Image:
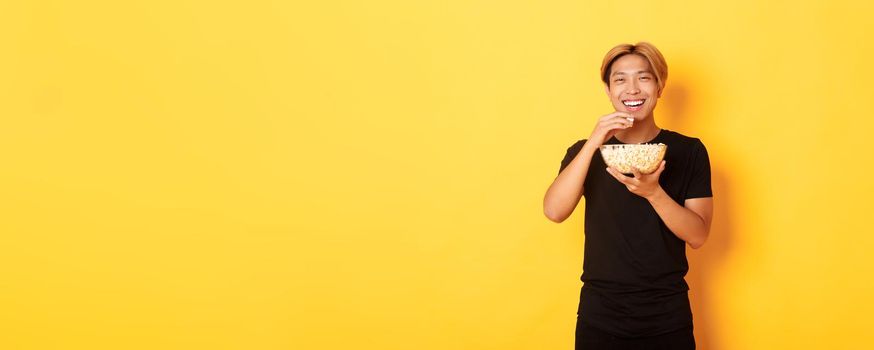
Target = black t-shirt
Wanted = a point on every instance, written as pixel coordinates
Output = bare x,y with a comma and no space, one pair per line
633,265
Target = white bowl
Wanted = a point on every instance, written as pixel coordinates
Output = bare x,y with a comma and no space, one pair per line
646,157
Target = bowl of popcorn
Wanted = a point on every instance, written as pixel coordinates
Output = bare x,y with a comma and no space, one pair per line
646,157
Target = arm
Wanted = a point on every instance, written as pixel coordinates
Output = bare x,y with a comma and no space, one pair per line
566,190
690,222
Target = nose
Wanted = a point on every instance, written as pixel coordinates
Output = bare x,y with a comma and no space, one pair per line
633,88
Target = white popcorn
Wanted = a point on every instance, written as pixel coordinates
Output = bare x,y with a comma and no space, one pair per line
645,157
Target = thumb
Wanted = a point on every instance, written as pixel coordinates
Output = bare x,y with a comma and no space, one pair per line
661,168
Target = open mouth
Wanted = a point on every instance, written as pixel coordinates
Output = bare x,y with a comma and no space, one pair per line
633,105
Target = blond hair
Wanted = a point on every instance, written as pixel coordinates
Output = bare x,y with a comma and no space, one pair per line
643,49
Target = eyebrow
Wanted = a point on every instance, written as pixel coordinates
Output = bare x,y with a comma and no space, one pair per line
638,72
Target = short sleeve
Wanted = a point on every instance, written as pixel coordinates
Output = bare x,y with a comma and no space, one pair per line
699,185
572,152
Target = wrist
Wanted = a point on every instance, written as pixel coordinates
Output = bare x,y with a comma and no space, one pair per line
589,148
657,195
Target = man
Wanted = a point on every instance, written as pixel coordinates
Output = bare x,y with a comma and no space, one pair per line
634,295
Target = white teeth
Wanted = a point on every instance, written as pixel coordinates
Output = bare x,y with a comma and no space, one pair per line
633,103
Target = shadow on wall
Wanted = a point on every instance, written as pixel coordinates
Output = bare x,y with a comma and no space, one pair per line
705,262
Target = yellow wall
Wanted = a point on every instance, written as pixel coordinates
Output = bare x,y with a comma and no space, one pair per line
369,174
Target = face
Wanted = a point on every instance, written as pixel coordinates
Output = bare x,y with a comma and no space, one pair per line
633,87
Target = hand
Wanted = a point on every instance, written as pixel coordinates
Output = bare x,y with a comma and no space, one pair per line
607,126
642,185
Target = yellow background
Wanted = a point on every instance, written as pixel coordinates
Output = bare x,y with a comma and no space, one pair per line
370,174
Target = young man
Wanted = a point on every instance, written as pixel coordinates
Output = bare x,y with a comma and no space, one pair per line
634,295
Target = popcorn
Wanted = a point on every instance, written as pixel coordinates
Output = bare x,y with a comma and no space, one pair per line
645,157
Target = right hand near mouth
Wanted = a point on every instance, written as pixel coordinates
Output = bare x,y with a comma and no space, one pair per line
567,189
607,126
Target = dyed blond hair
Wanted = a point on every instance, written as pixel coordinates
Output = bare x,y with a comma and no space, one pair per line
643,49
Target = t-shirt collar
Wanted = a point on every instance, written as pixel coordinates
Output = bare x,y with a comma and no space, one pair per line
656,139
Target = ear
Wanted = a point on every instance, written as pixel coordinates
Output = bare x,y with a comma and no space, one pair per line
607,89
659,94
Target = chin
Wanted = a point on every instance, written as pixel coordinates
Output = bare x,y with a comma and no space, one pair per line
638,115
641,114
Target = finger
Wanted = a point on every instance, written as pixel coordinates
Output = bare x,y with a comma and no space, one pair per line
661,168
618,176
615,115
636,172
623,117
624,114
609,116
627,119
616,119
617,124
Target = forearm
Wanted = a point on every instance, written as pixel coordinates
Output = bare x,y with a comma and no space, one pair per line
683,222
566,190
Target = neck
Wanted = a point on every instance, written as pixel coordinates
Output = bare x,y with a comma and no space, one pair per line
642,131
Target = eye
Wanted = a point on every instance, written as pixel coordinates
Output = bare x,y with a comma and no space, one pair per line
644,78
618,80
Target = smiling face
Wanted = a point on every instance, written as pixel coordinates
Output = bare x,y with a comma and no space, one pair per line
633,87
